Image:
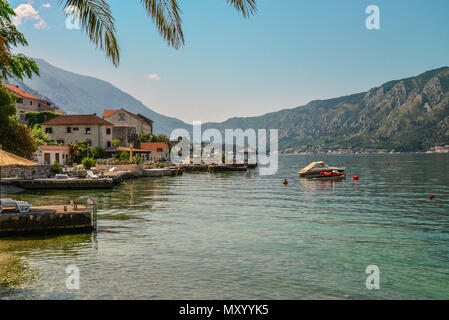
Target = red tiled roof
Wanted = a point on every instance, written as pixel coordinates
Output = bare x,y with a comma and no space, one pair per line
108,113
77,119
153,146
20,92
54,148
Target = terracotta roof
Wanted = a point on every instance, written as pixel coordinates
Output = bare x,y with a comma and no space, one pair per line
153,146
77,119
54,148
20,92
108,113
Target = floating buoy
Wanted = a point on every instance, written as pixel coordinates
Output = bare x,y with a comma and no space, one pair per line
388,163
285,181
355,178
347,162
431,196
393,165
372,163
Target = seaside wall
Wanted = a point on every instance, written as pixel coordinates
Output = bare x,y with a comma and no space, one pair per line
121,167
26,172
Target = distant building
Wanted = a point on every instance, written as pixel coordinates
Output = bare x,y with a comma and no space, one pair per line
48,154
29,103
123,118
158,150
148,151
78,128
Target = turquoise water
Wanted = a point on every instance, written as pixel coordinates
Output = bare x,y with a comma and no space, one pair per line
245,236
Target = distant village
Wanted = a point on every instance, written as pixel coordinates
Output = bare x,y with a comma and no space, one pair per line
116,130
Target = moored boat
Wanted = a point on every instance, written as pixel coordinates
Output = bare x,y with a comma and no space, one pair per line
320,170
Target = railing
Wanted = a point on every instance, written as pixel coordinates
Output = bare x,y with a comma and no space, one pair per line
90,201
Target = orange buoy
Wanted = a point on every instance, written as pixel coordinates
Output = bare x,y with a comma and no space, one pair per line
431,196
285,181
355,178
372,163
347,162
393,165
388,163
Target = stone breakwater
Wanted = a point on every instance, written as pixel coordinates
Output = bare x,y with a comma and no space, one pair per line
46,220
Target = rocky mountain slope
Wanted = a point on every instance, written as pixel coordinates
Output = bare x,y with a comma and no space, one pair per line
403,115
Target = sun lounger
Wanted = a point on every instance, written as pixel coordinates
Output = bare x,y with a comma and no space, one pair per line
90,174
21,206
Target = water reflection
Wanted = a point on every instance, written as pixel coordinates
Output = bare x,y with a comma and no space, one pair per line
16,272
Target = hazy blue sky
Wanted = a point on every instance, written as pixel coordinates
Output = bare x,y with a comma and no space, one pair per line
290,52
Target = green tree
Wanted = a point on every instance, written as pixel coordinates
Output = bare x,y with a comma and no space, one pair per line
14,136
98,24
13,65
78,151
40,137
116,142
99,153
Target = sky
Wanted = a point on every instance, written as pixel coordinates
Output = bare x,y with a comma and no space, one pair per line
289,53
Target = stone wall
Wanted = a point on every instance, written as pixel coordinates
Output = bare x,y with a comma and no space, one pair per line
122,167
26,172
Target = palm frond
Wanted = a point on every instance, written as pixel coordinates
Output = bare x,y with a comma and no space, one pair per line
246,7
166,14
98,23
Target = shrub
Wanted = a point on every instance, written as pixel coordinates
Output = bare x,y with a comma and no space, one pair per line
137,160
99,153
88,163
56,168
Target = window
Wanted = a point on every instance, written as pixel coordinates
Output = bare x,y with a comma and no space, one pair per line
108,131
88,131
75,129
31,103
48,130
69,130
20,100
89,142
60,142
108,144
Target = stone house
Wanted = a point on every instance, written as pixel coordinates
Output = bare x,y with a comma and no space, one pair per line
48,154
123,118
78,128
29,103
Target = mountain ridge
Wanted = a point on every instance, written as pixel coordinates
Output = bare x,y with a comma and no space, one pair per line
410,114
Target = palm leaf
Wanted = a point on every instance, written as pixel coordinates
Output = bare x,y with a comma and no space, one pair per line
246,7
97,22
166,14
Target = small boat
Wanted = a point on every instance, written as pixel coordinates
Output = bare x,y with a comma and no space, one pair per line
320,170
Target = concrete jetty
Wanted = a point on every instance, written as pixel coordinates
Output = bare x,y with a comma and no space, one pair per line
47,219
103,183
